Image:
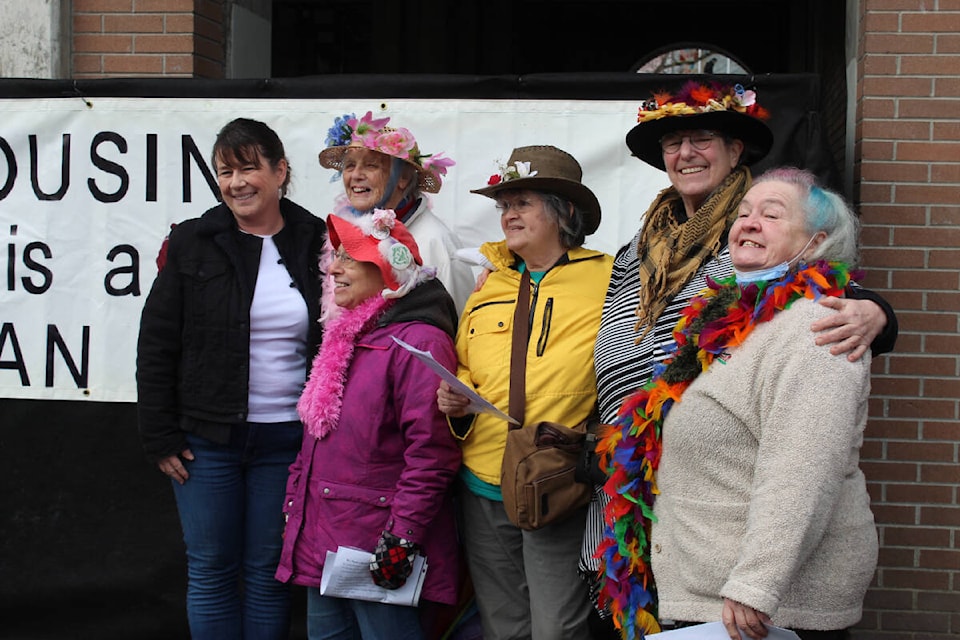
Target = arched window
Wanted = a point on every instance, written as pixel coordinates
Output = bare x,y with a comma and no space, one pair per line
690,57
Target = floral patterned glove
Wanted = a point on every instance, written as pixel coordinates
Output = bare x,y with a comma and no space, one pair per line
392,562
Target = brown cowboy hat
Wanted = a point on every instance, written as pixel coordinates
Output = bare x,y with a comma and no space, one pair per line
546,168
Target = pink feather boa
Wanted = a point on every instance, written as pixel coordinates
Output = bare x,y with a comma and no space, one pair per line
319,405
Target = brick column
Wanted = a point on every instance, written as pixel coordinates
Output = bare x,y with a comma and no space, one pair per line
144,38
907,166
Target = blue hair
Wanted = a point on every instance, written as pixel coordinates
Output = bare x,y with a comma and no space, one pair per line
821,210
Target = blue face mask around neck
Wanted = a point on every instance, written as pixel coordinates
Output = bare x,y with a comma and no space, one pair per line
775,272
770,273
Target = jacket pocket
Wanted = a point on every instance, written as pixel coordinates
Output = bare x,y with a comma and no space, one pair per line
329,490
357,513
214,339
205,285
489,331
203,270
696,543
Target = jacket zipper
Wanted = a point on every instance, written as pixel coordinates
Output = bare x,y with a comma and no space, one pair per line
545,327
545,322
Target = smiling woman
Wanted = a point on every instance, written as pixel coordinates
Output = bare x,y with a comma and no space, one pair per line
383,167
366,175
355,281
249,185
785,218
225,337
771,530
526,581
530,228
770,231
705,135
369,405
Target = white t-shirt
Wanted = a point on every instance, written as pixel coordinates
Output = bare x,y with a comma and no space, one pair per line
278,341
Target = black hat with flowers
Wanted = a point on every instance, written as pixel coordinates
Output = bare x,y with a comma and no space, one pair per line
728,109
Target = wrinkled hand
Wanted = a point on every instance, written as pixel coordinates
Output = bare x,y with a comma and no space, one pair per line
392,562
173,466
481,279
852,328
738,617
450,402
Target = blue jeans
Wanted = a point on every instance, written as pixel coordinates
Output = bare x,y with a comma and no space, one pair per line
346,619
231,511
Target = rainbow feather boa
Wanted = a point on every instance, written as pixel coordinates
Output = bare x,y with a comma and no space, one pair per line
718,319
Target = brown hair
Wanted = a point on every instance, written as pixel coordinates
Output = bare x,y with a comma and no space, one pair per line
244,139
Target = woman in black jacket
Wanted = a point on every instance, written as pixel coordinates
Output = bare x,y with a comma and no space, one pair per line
226,337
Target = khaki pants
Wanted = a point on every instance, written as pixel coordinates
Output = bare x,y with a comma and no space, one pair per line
526,582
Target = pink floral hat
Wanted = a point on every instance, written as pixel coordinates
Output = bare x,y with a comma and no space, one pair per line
369,133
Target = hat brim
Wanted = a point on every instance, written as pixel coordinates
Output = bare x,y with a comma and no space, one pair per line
332,158
358,246
644,139
576,192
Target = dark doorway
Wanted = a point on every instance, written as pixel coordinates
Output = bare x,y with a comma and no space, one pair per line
519,37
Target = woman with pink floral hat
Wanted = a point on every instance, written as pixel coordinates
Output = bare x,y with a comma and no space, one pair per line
382,167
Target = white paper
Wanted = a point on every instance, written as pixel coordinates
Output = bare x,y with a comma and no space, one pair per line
478,404
716,631
346,574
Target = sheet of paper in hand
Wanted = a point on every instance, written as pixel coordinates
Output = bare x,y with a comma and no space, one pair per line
346,574
478,404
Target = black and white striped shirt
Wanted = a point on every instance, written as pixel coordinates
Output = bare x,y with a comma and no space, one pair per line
622,365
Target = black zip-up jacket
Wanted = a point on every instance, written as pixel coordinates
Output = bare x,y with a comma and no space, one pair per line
193,353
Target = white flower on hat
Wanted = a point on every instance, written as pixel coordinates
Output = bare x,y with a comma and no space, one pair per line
523,170
506,173
519,170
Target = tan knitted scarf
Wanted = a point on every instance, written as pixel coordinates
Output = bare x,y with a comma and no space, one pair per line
671,251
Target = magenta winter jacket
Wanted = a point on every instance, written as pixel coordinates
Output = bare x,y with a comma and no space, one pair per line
388,465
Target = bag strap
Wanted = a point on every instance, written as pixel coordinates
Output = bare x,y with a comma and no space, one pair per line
518,352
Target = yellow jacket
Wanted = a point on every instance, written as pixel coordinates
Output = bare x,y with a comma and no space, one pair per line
560,381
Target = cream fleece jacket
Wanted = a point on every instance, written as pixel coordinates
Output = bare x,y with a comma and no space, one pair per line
762,499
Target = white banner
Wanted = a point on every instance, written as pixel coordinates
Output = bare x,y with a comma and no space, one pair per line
89,188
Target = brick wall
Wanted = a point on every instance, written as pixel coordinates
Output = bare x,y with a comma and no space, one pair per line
907,171
143,38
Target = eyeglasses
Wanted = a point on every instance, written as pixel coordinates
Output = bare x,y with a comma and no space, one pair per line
699,140
343,257
520,204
